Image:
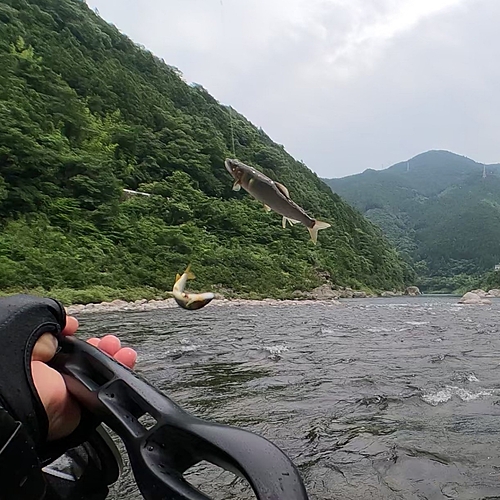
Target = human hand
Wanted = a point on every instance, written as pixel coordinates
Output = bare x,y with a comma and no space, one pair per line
62,410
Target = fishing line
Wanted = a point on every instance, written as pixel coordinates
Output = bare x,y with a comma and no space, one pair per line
230,109
232,129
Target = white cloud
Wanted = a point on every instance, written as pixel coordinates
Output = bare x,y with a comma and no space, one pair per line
369,34
343,84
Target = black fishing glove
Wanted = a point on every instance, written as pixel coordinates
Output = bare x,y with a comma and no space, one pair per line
24,449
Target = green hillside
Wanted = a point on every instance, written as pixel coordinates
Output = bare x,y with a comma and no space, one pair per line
437,209
84,113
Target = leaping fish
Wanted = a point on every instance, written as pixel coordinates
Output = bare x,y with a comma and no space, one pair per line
189,301
274,195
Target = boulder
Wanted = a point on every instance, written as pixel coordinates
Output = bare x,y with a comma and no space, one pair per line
324,292
473,298
388,294
118,303
358,294
479,292
346,293
494,292
412,290
75,309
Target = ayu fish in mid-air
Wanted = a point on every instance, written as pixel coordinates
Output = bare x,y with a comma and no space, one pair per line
274,195
189,301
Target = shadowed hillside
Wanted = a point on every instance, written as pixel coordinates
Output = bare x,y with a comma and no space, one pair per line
439,209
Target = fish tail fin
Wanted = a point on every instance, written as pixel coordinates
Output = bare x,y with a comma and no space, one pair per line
313,231
190,274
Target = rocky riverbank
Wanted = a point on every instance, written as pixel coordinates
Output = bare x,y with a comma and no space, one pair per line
324,293
152,305
329,292
480,296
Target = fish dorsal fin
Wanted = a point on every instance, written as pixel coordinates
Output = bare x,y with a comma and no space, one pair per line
283,189
267,208
177,277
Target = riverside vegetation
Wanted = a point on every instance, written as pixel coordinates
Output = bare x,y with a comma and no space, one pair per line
84,113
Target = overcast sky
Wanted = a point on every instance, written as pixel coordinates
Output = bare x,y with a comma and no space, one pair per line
344,85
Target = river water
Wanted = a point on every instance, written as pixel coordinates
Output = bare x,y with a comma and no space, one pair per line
372,399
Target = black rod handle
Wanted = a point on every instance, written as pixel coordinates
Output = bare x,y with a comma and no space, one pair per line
173,441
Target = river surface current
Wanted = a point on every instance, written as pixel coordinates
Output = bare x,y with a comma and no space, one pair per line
372,399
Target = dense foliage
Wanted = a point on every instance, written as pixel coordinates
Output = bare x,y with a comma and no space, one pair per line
438,210
490,280
84,113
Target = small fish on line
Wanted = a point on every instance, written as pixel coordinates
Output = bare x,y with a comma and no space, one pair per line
189,301
274,195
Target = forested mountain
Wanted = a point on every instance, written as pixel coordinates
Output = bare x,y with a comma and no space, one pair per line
439,209
84,113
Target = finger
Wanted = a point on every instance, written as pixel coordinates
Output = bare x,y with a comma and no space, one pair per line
126,356
94,341
71,325
45,348
110,344
62,411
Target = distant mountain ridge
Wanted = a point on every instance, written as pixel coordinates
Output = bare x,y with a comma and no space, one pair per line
441,210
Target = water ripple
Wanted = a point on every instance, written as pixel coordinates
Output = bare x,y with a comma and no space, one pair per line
379,399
